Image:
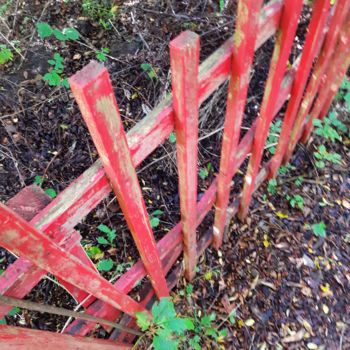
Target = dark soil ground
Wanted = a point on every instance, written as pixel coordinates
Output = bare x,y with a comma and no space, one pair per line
288,288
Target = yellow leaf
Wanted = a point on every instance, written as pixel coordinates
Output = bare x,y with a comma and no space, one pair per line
240,323
114,9
250,322
134,96
208,275
281,215
266,243
324,287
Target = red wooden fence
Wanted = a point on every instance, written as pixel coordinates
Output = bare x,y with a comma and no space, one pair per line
47,241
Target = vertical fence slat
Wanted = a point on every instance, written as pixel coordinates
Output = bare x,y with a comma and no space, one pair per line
312,43
243,52
184,58
94,93
288,25
336,71
17,338
20,237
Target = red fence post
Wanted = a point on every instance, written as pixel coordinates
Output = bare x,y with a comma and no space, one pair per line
184,58
20,237
336,71
311,46
94,94
288,26
243,53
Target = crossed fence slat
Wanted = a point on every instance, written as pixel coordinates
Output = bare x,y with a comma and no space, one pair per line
120,154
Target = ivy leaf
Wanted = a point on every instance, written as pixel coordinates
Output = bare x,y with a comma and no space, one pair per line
179,325
71,33
163,310
44,30
102,240
142,321
51,192
105,265
319,229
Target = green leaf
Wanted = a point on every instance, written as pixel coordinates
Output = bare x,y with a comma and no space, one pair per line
203,173
102,240
5,55
223,333
65,83
14,311
154,222
142,321
3,320
222,6
44,30
172,138
93,251
145,67
52,78
59,35
179,325
189,289
195,343
161,342
51,192
101,56
163,310
104,228
111,235
71,33
319,229
105,265
157,212
38,180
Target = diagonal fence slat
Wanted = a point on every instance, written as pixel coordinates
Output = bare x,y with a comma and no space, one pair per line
312,44
23,239
184,58
87,191
285,37
243,53
94,94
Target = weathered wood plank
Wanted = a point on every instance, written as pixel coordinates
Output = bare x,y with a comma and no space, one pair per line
243,52
23,239
16,338
94,94
312,44
285,37
184,58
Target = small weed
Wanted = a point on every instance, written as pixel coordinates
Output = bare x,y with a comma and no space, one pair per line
154,218
45,31
39,180
319,229
110,234
329,127
6,54
344,93
148,69
100,11
13,312
296,201
54,76
299,181
105,265
222,5
272,186
275,129
204,172
322,155
101,55
172,138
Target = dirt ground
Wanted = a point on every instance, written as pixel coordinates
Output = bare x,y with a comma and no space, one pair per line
287,287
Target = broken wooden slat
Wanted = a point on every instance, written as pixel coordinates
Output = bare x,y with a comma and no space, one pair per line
243,50
312,43
285,37
16,338
94,94
184,58
19,236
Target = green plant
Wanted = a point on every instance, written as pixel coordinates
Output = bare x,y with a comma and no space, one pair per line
100,11
222,5
154,218
172,138
5,7
110,234
322,155
6,54
319,229
296,201
105,265
101,55
13,312
166,328
275,129
54,76
46,31
272,186
204,172
147,68
329,127
344,93
298,181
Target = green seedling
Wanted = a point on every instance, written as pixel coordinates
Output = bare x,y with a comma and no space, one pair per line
323,156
